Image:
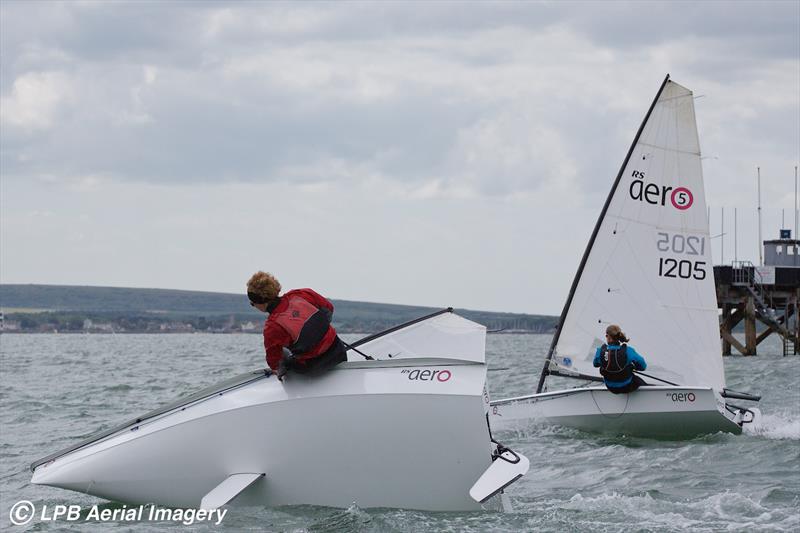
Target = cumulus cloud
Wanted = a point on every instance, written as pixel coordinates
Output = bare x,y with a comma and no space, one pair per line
507,153
34,101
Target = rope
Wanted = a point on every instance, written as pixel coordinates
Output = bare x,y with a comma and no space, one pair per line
657,379
627,399
350,347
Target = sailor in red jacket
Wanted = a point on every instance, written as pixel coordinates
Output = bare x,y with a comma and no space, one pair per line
298,335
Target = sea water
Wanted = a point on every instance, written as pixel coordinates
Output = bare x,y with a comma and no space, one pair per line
57,389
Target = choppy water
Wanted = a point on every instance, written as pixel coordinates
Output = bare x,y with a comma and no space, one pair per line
56,389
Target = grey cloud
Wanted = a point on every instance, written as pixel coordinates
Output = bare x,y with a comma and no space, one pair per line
145,31
198,122
212,132
120,31
762,28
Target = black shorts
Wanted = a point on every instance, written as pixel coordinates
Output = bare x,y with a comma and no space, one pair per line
635,383
325,361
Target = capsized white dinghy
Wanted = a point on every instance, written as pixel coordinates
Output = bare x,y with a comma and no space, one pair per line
647,267
408,429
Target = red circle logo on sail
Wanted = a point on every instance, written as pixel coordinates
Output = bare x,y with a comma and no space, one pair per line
444,375
682,198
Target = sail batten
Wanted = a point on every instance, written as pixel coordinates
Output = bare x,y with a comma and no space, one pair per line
672,149
648,264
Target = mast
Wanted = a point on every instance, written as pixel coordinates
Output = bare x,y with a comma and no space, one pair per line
573,288
760,243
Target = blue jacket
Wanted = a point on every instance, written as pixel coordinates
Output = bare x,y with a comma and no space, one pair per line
634,359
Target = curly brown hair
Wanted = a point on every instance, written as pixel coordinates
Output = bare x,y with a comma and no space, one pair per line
264,286
616,334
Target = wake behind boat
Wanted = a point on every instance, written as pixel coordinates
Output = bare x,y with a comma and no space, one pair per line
648,267
408,429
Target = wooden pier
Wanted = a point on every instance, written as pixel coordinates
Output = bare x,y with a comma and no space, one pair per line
767,295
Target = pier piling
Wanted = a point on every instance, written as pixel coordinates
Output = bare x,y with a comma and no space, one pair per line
765,296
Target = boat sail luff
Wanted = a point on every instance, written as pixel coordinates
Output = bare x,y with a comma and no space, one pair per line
590,244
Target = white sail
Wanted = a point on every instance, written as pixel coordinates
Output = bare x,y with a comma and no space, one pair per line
444,335
649,266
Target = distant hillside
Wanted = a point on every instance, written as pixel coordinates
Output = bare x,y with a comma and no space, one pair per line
67,307
117,299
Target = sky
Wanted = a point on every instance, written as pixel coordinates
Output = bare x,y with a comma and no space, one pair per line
440,154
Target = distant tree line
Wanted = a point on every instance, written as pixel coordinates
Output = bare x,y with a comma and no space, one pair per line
74,322
32,308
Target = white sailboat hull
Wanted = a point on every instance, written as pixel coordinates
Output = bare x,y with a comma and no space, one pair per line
374,433
656,411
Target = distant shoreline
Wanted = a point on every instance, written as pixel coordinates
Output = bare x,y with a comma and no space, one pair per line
86,309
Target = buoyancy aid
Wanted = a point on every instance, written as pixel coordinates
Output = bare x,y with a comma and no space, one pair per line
306,323
615,366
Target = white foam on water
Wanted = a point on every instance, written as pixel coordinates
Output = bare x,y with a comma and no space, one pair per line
774,427
644,510
726,506
719,511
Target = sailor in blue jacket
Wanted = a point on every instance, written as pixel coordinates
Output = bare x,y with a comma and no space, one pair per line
617,361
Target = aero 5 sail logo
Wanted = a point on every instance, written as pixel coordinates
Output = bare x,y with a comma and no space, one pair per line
681,198
427,375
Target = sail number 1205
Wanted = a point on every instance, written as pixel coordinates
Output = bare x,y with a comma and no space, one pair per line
672,268
681,244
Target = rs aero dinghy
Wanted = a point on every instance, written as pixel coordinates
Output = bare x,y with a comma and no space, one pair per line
647,267
407,429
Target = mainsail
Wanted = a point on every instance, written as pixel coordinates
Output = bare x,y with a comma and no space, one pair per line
648,265
443,334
